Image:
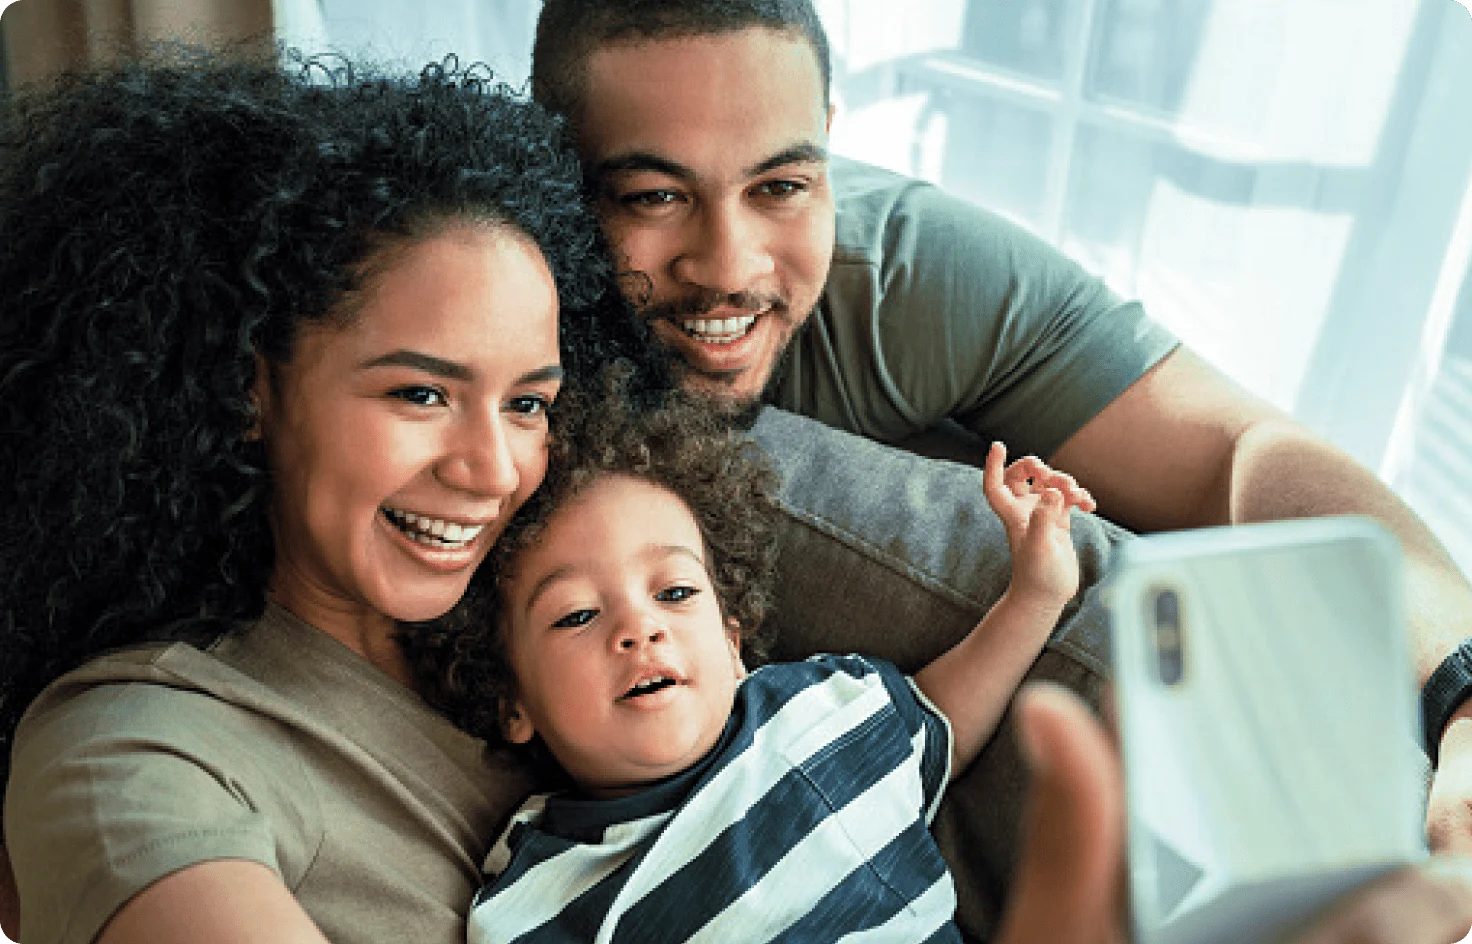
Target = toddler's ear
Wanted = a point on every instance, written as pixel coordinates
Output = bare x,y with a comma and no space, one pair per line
516,727
733,641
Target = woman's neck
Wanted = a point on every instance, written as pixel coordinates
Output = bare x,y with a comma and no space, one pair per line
363,630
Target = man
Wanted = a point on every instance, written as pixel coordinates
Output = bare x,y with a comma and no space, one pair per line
882,307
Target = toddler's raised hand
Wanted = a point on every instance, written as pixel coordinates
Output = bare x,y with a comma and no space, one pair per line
1033,501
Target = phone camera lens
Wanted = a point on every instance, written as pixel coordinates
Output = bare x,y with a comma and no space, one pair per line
1170,659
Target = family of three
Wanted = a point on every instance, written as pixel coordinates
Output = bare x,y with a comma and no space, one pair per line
287,352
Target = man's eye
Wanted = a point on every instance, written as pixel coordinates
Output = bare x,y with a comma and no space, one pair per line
531,405
643,199
575,619
780,188
676,594
419,395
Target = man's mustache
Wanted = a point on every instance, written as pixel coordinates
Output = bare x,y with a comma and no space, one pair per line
704,302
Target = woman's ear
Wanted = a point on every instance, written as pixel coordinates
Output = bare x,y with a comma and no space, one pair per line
733,641
260,398
516,727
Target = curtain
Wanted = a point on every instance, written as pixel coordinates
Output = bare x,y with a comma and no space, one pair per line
43,37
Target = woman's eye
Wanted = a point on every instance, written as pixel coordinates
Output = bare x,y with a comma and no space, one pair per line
676,594
575,619
529,405
419,395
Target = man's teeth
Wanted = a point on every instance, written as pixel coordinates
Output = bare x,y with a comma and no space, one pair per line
719,330
433,532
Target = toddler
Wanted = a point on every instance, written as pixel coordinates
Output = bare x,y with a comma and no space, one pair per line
706,802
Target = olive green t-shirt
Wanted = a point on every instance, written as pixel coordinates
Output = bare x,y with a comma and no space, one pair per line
936,309
275,744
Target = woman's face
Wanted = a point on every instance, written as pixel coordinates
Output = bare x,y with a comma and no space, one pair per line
402,441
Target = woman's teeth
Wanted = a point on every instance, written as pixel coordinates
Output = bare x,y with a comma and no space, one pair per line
719,330
433,532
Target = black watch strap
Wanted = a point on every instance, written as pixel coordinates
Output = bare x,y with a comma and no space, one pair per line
1447,688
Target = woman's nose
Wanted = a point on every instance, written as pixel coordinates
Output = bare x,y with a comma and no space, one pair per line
483,461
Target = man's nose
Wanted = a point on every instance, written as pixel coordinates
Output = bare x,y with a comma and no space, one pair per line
726,251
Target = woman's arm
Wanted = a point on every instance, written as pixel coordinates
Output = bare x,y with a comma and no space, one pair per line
227,901
9,898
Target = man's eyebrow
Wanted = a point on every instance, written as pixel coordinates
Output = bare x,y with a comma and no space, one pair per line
805,153
642,160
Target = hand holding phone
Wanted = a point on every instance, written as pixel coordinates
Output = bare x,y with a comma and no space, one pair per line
1267,710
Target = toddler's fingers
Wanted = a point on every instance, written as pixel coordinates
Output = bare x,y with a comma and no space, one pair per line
1050,512
993,484
1026,475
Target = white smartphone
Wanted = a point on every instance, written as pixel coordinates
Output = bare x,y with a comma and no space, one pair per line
1266,705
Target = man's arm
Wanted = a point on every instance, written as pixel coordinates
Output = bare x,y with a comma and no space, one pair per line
1185,447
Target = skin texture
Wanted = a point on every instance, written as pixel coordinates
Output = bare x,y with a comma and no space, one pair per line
1182,447
719,201
407,407
615,591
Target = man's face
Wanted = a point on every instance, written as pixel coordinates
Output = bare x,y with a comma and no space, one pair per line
709,155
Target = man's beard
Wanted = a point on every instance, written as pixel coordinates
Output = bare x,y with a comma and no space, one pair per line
741,410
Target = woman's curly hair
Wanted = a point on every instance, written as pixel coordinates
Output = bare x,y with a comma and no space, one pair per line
161,223
676,440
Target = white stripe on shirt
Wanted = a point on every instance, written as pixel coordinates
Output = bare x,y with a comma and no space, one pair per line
842,842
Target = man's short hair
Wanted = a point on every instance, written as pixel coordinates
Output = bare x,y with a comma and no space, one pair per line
570,31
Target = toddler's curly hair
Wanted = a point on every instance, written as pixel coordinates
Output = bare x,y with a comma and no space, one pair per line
676,440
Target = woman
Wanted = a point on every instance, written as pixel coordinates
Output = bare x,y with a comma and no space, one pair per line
276,354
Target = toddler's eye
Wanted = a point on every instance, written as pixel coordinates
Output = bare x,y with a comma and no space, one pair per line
575,619
676,594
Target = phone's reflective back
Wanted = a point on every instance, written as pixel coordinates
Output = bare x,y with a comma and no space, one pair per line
1266,704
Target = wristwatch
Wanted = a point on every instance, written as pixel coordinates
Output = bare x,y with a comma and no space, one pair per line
1447,688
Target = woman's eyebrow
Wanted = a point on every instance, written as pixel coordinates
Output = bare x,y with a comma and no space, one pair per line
418,361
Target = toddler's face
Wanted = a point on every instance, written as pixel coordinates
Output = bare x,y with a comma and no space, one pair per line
623,663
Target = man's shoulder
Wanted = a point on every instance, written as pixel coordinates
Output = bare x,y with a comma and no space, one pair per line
882,214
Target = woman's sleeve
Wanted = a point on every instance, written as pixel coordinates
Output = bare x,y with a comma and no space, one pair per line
117,786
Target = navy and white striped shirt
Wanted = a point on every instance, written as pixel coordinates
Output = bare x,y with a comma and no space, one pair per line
807,822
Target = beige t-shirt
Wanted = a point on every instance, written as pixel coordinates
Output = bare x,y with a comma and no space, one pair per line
277,745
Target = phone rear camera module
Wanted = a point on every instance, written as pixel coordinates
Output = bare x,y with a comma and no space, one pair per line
1170,659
